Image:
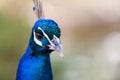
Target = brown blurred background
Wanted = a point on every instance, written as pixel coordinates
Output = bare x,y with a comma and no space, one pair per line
90,37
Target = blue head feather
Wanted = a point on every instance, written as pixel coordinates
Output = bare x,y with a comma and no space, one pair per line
35,63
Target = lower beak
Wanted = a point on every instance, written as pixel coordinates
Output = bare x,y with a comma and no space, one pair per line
57,48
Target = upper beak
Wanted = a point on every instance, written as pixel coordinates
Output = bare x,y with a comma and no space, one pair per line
56,45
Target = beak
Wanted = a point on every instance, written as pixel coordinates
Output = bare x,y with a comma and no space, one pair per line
55,45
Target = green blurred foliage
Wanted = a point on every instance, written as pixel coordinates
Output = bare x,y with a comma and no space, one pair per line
14,35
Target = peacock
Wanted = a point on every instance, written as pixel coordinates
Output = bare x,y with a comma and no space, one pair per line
35,64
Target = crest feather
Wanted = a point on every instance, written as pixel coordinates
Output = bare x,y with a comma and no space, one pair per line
38,8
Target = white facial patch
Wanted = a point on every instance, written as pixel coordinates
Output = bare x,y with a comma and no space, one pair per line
39,42
36,40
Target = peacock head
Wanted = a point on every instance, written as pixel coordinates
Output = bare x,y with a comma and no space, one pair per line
46,36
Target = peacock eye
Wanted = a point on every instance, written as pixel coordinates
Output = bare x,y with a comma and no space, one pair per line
38,36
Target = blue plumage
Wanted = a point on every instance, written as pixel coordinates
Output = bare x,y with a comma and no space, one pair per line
34,67
35,63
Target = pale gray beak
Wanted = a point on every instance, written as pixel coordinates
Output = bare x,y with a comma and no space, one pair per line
55,45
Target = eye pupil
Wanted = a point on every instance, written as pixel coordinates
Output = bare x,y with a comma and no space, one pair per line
39,36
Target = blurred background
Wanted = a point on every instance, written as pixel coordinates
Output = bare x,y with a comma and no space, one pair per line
90,37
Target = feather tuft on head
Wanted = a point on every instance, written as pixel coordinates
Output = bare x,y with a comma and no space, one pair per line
38,8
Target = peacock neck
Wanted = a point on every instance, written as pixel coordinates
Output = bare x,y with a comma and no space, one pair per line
42,67
35,66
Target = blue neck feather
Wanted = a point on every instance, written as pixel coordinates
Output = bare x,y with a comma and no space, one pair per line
34,67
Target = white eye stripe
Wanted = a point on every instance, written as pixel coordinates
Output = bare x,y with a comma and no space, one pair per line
46,36
36,40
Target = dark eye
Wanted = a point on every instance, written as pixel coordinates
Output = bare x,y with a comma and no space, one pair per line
38,36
